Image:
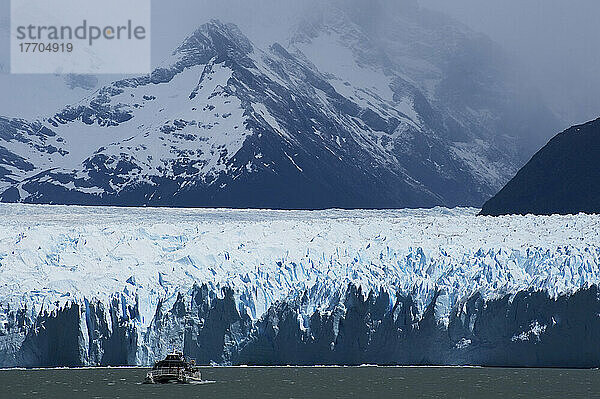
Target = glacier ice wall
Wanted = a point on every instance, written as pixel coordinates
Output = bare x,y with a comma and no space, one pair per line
119,286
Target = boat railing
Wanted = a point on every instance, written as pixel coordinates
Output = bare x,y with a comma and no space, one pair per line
166,371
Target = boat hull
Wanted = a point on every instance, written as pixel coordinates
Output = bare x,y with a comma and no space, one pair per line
172,378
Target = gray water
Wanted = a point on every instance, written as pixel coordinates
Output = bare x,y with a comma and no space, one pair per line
308,382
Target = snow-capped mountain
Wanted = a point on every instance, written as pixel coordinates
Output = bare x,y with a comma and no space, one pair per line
115,286
335,117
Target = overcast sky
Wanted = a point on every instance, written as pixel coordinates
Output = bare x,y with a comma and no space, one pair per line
557,42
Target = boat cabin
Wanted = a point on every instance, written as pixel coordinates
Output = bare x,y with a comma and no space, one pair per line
172,361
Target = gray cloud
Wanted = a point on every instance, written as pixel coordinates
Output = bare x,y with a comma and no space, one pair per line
555,41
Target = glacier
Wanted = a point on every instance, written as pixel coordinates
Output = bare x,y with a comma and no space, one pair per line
123,286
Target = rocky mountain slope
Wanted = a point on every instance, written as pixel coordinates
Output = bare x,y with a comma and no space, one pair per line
562,178
415,113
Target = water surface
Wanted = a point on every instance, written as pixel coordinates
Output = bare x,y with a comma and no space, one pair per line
308,382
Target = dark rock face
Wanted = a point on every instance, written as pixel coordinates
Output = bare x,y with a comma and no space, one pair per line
528,329
562,178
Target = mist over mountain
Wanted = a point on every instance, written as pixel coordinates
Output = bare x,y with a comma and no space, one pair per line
552,42
548,40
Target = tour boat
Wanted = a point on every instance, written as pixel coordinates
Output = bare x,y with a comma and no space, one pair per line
174,368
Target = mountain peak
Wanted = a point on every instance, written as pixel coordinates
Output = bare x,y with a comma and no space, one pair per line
218,36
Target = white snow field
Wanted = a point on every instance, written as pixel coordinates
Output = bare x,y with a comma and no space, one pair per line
51,255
